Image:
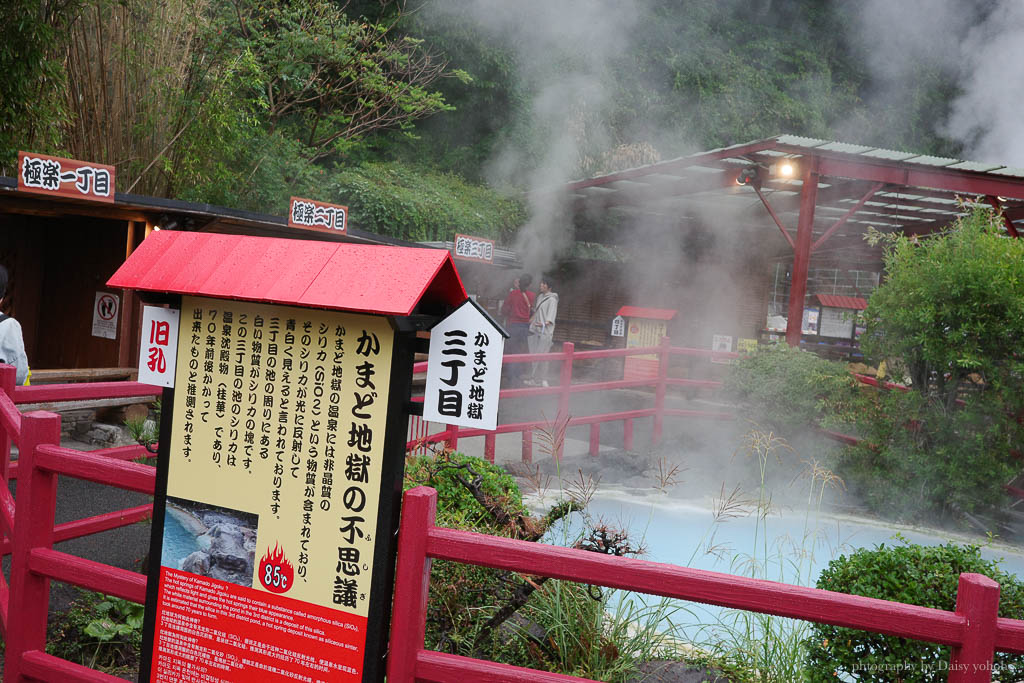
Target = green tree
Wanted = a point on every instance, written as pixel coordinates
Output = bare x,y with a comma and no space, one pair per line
951,309
32,106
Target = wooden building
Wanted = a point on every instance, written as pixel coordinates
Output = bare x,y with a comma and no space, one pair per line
60,252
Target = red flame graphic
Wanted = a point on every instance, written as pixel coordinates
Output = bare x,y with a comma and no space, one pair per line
276,572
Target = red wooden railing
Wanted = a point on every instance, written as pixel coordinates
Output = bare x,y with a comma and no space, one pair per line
418,434
974,630
27,521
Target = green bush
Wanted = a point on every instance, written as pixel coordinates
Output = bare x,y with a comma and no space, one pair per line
921,461
917,575
790,390
462,596
420,204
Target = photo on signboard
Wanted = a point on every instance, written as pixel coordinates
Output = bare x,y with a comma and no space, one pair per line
209,540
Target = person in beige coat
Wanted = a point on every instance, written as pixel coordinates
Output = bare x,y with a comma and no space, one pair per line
542,329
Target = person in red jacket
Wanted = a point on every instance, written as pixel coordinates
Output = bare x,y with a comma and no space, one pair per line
516,310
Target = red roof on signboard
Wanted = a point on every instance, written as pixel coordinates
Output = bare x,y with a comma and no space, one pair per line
650,313
836,301
351,277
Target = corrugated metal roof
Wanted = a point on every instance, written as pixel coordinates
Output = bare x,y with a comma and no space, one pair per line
836,301
352,277
649,313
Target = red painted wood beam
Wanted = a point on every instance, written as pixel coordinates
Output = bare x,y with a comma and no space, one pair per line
854,209
802,252
898,173
668,167
78,571
775,217
38,665
1010,228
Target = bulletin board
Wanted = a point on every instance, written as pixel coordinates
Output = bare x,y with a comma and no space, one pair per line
274,497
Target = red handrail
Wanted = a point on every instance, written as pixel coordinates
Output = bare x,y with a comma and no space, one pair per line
974,631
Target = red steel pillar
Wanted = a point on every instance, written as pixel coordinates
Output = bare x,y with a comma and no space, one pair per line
802,252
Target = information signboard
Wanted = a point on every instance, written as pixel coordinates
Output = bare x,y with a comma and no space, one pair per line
274,519
464,369
56,176
104,315
314,215
470,248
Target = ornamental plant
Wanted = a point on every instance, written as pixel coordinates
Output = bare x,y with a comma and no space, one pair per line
917,575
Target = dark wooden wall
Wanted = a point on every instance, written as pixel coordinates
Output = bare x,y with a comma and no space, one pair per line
57,265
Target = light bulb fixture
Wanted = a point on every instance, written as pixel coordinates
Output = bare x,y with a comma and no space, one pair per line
747,176
784,169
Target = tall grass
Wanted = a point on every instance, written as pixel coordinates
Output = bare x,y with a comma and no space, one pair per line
766,647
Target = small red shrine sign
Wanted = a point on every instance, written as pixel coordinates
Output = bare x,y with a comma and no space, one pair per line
311,214
49,175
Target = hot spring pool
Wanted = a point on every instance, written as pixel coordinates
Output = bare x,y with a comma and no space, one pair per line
790,547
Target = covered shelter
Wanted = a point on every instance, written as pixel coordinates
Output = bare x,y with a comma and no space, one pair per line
797,198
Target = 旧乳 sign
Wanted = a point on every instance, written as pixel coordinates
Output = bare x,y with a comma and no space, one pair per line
309,213
55,176
471,248
274,481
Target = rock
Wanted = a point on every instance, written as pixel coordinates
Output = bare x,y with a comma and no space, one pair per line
197,563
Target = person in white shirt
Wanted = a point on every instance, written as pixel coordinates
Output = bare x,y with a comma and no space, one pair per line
12,344
542,328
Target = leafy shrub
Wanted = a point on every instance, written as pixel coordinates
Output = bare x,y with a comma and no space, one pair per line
917,575
919,460
463,597
420,204
99,632
791,390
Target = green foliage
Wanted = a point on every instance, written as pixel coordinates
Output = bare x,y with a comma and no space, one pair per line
99,632
462,597
952,305
419,204
791,390
912,574
32,106
920,461
594,633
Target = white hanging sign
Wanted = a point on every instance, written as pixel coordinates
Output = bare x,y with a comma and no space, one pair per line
104,315
159,351
618,326
464,369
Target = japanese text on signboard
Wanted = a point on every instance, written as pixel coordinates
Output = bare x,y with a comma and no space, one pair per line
283,414
464,370
306,213
474,248
66,177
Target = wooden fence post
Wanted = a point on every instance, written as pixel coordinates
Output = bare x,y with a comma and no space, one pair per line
412,584
627,434
564,383
489,443
595,438
528,445
453,437
659,392
33,527
977,599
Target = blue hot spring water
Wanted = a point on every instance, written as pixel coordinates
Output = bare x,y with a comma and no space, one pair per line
178,544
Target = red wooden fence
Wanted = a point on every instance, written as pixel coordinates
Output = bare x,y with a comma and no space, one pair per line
974,631
565,388
27,521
